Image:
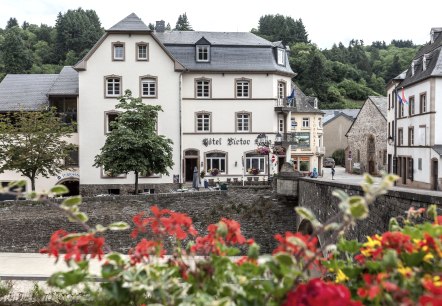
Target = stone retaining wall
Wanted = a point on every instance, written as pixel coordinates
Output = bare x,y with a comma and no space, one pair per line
26,226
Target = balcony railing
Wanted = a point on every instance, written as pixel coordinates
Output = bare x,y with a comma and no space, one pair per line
285,103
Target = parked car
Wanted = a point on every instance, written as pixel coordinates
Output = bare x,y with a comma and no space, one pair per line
328,162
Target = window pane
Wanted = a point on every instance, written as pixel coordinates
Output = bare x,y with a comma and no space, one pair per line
118,51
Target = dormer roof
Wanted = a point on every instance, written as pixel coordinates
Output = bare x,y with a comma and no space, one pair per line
203,41
131,23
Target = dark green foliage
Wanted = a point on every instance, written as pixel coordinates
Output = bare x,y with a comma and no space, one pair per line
183,24
12,22
285,28
14,54
77,30
134,145
403,43
339,157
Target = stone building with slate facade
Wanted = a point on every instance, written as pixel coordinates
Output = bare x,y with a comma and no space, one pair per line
218,92
415,127
367,138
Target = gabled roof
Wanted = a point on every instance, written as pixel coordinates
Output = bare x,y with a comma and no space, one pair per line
332,118
131,23
203,41
330,114
381,104
438,149
26,92
433,62
66,83
304,104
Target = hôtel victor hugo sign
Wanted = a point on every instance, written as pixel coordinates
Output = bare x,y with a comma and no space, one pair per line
231,141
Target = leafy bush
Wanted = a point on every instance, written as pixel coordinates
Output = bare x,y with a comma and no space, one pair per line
339,157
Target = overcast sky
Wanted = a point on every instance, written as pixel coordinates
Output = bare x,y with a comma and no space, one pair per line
326,21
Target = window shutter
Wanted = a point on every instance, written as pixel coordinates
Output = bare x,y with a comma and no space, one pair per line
410,169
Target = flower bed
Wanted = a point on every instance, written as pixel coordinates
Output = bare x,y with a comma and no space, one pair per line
400,267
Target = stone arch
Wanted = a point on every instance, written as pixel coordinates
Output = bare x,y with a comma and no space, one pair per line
306,228
73,184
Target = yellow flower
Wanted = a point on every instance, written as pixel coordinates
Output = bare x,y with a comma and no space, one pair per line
428,257
437,281
405,271
373,243
340,276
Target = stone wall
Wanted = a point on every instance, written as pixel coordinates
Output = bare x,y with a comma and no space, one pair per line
317,195
26,226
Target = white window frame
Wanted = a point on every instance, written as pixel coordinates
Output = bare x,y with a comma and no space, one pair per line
320,122
282,91
243,122
140,54
305,122
203,88
212,161
256,162
151,84
118,51
115,84
202,53
280,57
242,89
107,122
203,122
423,103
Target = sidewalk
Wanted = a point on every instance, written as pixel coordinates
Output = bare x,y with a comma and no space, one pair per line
34,266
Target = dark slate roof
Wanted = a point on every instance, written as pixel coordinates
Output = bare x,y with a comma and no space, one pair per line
229,51
438,149
215,38
25,91
433,55
304,104
350,113
66,83
131,23
381,104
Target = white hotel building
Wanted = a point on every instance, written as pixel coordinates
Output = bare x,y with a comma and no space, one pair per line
218,92
415,128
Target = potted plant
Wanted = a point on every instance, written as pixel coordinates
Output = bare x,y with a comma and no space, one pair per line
214,171
263,150
202,174
253,171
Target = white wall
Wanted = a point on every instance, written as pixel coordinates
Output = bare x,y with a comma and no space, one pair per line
93,105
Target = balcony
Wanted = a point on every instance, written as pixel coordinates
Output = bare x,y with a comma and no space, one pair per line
285,105
320,151
298,139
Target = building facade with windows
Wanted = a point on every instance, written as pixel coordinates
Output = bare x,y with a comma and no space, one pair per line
35,92
415,119
218,92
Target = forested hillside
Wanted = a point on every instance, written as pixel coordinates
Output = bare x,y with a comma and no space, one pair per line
340,77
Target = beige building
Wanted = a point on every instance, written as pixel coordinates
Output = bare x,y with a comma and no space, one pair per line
336,124
367,138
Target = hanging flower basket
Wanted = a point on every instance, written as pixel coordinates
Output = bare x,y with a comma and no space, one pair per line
263,150
214,171
279,150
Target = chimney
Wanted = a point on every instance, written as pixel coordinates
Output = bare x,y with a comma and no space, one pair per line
160,26
434,34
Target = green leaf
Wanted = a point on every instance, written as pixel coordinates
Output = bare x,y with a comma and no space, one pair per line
100,228
66,279
72,201
82,216
284,259
118,226
340,194
349,246
72,236
116,257
368,179
21,183
432,212
390,259
59,189
306,213
413,259
358,207
393,225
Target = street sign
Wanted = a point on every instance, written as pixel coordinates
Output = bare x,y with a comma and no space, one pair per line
273,158
349,155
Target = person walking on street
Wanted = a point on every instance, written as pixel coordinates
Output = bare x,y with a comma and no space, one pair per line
333,172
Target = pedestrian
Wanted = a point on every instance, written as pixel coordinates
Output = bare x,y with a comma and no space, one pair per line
195,180
314,173
333,172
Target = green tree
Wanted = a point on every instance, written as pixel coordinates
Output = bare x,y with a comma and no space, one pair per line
77,30
12,22
133,144
284,28
16,57
34,143
183,24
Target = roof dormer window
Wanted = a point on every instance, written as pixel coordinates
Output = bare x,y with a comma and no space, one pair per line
203,53
424,63
281,57
412,68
